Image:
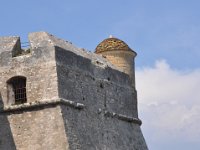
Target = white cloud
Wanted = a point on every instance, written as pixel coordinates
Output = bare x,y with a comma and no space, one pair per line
169,103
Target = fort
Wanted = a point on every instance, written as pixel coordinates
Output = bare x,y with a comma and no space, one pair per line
55,96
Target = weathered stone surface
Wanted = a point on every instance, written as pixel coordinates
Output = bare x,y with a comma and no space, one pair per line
6,136
9,43
75,99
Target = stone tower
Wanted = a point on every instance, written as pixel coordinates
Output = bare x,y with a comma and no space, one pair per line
56,96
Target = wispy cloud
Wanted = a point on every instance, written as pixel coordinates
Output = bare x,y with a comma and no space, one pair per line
169,103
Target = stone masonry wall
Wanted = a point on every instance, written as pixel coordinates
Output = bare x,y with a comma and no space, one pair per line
38,129
76,100
38,67
91,83
32,128
103,91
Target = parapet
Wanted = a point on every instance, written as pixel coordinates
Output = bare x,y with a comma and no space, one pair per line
44,39
11,47
10,44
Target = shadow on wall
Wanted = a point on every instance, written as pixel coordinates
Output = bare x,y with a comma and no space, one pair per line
6,138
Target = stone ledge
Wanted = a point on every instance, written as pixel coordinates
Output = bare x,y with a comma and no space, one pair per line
41,104
123,117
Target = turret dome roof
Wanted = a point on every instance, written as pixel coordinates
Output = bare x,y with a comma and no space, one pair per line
112,44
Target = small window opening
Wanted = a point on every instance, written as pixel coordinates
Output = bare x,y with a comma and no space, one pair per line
17,90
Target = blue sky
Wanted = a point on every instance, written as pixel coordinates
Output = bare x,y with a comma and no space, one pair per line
165,34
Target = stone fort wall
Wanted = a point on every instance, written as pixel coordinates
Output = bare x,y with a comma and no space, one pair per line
75,100
30,128
109,100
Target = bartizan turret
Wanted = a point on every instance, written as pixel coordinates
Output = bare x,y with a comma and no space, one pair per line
119,54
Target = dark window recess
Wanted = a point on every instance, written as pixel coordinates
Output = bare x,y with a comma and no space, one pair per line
19,89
